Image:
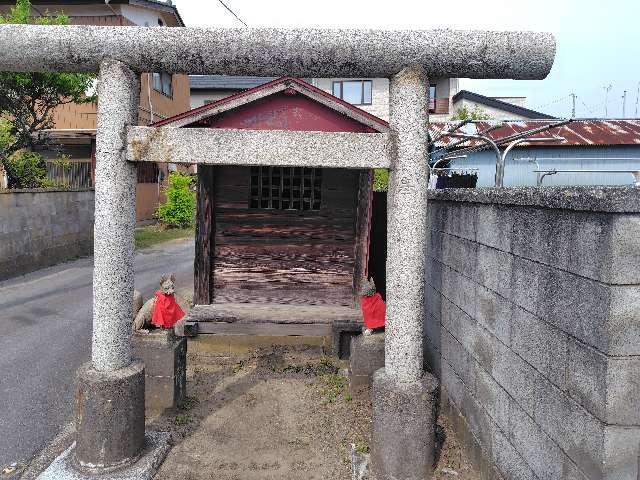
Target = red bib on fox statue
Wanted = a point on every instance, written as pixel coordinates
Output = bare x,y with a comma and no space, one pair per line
166,311
373,307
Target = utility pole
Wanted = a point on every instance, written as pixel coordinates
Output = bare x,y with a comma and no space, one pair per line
573,107
607,89
624,104
637,100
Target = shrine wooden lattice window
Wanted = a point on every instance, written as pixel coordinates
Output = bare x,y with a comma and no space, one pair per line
286,188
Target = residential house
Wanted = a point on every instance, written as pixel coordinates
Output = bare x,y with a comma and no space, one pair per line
498,108
372,95
161,95
585,152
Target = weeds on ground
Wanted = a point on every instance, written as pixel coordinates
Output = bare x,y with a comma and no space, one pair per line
238,367
362,446
333,386
182,419
189,403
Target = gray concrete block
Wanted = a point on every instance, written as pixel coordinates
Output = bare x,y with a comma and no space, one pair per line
460,220
460,254
433,273
543,346
451,381
570,471
587,377
479,422
494,227
460,290
433,302
622,321
493,398
624,249
507,459
367,356
515,375
576,431
459,359
494,268
623,391
621,450
540,452
165,359
494,313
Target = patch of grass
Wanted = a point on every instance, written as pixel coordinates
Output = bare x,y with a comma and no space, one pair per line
189,403
348,397
237,368
362,446
182,419
152,234
332,386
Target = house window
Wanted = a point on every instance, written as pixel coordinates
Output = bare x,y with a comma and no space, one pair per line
356,92
162,83
286,188
432,97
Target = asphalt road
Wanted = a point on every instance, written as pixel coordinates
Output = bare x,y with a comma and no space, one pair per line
45,322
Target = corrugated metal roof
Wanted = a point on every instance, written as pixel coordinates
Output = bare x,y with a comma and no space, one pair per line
226,82
585,132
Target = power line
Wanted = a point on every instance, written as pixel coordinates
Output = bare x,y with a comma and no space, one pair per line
232,13
537,107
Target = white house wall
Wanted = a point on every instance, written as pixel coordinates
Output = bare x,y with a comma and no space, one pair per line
146,17
200,97
520,173
496,114
445,87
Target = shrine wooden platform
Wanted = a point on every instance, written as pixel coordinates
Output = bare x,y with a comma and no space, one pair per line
277,320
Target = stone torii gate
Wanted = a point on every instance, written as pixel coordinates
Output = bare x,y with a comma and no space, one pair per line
110,397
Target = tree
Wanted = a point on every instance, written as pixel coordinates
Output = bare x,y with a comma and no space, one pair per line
28,100
180,208
466,113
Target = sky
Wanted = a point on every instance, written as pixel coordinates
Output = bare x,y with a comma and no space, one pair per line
598,42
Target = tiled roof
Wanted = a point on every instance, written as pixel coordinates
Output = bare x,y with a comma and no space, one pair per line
226,82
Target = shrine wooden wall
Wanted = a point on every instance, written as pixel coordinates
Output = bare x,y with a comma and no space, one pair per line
277,256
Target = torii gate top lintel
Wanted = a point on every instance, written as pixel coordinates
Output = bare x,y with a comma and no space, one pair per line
279,52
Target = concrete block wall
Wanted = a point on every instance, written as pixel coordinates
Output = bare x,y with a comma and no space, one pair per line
533,327
39,228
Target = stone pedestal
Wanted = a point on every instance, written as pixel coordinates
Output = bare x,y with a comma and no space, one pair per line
367,356
165,359
404,421
109,417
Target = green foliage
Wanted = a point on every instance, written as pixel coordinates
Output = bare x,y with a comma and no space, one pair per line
7,138
180,208
25,169
380,179
29,99
465,113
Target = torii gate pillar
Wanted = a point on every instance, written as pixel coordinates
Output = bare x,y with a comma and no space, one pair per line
403,394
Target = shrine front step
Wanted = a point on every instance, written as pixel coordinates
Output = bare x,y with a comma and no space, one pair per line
228,328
